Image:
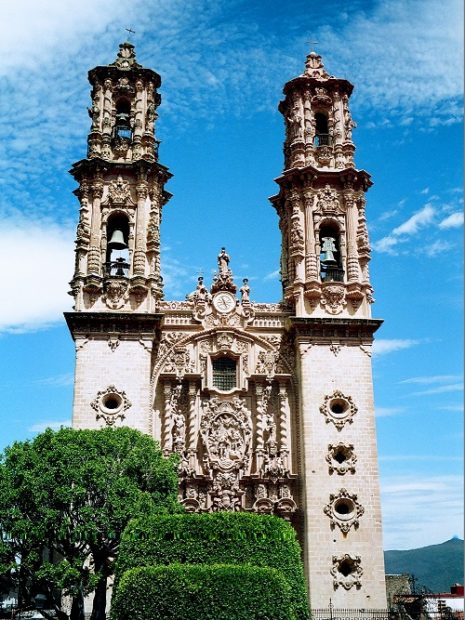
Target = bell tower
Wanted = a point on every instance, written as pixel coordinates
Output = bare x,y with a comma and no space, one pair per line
324,270
121,191
117,282
321,202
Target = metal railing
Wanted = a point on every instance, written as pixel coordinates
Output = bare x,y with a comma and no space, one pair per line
118,268
322,139
335,613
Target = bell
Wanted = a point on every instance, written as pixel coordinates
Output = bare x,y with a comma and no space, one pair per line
117,241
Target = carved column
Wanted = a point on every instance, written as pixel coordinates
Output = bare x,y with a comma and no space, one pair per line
192,438
94,257
139,249
284,425
107,109
311,263
352,251
138,112
261,421
167,439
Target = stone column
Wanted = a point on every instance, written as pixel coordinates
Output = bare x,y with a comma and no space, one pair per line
139,246
192,431
284,425
167,439
94,258
311,263
352,252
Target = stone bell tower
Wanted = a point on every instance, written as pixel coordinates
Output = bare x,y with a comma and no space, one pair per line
325,278
117,279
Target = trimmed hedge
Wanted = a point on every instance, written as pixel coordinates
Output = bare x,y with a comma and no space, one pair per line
218,538
221,592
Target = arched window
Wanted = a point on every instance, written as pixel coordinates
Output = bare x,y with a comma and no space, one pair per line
321,130
224,373
123,119
330,254
117,259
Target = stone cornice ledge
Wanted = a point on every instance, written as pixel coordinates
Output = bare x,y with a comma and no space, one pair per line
134,324
334,329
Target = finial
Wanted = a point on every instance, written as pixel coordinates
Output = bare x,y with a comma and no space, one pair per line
126,58
314,66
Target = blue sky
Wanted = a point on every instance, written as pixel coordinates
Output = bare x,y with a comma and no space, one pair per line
223,65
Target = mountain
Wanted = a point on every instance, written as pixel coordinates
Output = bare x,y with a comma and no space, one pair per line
436,567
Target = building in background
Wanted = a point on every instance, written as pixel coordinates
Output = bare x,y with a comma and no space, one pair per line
269,405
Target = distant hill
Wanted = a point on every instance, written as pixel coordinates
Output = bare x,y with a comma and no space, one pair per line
436,567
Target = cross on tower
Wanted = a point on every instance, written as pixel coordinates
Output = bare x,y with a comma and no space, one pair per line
130,31
312,43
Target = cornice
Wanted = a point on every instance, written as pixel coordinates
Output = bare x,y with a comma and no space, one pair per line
95,323
334,329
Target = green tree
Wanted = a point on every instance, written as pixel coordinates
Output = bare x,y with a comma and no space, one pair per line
65,499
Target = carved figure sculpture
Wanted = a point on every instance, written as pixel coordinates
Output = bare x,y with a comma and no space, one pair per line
223,262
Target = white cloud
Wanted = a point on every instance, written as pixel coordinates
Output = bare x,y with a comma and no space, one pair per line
64,380
441,389
41,264
437,247
383,347
397,53
385,412
40,427
418,220
432,379
454,220
439,501
273,275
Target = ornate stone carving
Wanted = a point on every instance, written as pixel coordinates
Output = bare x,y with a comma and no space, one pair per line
333,297
115,293
314,66
343,510
110,404
266,363
119,192
338,409
346,571
341,458
328,201
179,362
335,348
226,431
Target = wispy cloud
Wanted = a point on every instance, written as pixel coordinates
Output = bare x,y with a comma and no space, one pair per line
386,412
383,347
273,275
454,220
55,425
410,227
64,380
441,389
428,380
439,501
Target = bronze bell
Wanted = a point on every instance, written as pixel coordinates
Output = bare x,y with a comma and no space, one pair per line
117,241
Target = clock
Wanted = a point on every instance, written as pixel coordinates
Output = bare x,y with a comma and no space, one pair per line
224,302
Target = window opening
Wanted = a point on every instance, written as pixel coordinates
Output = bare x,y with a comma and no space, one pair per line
117,259
322,137
330,255
123,120
224,373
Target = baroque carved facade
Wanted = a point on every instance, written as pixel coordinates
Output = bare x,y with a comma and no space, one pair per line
269,406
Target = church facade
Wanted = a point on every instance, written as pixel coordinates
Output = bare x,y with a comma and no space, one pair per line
269,405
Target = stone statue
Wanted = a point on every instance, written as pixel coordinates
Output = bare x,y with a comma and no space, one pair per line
245,290
223,262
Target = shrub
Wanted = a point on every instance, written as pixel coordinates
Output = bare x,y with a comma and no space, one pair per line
186,592
219,538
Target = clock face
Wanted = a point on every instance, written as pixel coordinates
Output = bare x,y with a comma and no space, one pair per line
224,302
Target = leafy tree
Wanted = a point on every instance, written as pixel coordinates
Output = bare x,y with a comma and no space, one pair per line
65,499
